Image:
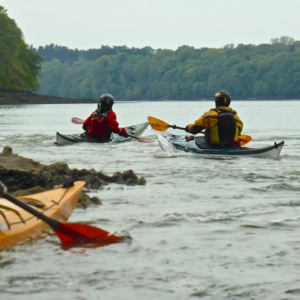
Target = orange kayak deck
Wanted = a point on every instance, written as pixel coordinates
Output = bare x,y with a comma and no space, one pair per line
17,225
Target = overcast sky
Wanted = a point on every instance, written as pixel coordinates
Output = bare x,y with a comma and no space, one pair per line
164,24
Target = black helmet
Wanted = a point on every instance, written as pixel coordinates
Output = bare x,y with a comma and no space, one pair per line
222,98
106,102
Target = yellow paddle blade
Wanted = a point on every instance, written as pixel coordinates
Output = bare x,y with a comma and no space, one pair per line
158,124
244,139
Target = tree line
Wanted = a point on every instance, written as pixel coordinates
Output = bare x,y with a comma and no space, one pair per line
265,71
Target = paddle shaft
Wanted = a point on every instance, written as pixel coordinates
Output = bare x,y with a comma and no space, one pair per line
176,127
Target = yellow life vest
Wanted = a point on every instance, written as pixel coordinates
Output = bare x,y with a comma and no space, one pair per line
225,130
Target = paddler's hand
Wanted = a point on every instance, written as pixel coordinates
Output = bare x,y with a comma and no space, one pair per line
187,128
127,132
85,127
189,138
130,131
123,133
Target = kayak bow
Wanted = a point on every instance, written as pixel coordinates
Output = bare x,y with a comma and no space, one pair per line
28,217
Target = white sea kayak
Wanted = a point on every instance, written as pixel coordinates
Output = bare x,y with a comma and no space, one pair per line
69,139
198,146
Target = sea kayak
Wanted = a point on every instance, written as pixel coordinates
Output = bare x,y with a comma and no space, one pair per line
17,225
69,139
197,145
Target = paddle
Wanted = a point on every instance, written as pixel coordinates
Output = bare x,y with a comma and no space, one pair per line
160,125
76,120
67,233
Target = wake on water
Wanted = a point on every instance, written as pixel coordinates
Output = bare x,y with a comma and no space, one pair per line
165,145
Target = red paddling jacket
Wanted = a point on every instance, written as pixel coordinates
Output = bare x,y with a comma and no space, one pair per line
101,126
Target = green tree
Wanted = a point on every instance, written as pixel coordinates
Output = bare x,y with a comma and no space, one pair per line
19,66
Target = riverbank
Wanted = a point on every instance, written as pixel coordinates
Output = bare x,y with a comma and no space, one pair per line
19,98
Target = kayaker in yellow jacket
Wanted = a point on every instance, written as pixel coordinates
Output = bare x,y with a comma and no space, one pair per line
221,124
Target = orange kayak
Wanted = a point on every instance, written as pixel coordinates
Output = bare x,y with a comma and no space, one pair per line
17,225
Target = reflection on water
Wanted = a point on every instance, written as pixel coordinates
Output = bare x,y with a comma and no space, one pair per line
210,228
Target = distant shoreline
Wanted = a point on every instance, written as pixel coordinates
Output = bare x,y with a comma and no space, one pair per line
19,98
13,98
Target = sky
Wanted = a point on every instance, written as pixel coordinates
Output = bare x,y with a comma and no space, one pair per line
159,24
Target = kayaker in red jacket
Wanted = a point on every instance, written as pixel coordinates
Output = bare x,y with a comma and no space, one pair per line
103,121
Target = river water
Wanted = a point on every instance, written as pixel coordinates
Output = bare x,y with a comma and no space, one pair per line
201,228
